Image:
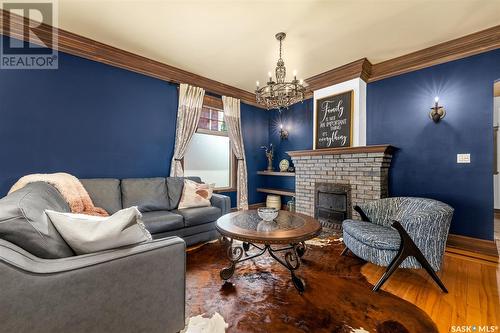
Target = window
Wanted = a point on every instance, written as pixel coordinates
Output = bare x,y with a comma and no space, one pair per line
209,154
212,120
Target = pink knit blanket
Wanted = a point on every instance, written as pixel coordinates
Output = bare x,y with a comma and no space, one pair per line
70,188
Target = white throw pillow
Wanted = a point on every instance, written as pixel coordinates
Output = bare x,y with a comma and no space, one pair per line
195,194
88,234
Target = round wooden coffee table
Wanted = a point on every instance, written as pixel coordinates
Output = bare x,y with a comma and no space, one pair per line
287,234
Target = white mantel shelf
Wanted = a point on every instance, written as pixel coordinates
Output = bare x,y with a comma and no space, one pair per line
386,149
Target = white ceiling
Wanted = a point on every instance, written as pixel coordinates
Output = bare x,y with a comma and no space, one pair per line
233,41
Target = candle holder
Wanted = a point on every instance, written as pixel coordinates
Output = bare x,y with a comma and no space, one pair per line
283,133
437,112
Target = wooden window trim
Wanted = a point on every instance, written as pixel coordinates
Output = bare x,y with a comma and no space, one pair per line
233,166
209,132
213,102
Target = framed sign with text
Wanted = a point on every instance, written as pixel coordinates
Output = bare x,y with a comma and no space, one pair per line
333,119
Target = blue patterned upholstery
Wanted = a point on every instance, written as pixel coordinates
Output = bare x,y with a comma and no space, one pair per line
372,234
427,222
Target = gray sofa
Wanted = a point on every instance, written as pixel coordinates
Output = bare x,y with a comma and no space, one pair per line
138,288
158,199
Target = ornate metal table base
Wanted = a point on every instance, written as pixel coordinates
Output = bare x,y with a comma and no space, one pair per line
291,260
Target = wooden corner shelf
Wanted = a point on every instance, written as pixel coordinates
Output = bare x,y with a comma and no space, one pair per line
277,191
276,173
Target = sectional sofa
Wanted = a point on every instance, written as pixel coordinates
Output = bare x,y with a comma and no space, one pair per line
137,288
158,199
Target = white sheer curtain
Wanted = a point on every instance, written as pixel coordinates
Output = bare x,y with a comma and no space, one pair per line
188,115
232,117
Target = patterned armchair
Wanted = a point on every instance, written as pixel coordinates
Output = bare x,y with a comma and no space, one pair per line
400,232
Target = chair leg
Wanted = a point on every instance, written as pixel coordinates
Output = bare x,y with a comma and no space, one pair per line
344,251
434,276
396,261
425,264
409,248
361,214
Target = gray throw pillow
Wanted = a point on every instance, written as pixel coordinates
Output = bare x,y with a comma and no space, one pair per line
23,221
148,194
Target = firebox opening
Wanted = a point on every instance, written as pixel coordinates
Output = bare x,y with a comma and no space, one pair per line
332,204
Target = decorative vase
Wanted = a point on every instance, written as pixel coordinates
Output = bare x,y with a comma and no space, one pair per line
273,201
270,163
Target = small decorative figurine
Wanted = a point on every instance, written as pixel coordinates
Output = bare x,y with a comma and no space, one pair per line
269,155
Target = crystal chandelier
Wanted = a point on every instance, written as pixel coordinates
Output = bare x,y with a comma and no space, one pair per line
280,94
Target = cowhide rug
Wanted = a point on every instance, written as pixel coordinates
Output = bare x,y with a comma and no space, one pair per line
260,296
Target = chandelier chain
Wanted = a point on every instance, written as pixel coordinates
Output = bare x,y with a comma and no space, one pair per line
280,47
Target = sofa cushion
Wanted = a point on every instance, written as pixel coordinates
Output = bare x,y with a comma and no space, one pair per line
148,194
199,215
187,231
105,193
373,235
161,221
23,221
175,185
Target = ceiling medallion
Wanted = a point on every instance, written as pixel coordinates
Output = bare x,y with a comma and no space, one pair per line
280,94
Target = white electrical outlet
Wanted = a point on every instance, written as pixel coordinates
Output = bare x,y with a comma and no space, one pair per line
463,158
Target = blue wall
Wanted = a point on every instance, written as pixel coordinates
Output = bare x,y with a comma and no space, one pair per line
255,134
298,120
425,165
95,120
86,118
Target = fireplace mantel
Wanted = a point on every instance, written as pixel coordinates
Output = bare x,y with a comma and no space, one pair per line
385,149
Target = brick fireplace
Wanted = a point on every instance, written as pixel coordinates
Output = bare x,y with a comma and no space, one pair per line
322,177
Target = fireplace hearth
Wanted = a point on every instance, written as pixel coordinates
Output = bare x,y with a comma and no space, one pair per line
332,204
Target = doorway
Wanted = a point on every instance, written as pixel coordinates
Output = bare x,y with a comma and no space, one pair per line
496,171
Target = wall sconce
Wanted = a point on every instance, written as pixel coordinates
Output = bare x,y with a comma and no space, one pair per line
283,133
438,112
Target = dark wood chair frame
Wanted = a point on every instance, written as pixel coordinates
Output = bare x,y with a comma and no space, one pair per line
407,248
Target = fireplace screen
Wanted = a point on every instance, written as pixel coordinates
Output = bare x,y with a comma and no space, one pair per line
332,204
